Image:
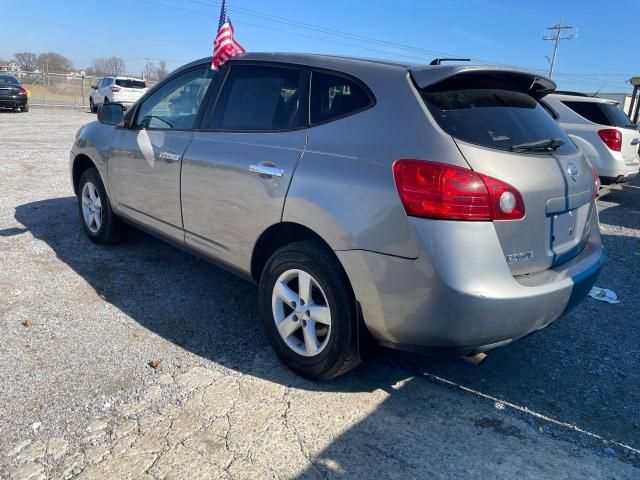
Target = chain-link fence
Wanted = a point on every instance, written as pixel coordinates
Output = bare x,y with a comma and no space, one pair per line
57,89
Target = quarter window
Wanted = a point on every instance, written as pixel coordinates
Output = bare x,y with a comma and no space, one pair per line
260,98
333,96
175,105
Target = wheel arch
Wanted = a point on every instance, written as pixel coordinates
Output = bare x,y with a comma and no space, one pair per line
81,164
277,236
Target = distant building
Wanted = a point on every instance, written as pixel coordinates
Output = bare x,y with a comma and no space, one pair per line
8,67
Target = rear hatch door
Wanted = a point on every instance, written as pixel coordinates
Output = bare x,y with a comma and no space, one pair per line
493,117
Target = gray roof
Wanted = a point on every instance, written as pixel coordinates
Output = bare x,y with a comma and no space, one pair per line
423,74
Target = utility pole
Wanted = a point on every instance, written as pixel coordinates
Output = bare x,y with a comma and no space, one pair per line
558,29
146,69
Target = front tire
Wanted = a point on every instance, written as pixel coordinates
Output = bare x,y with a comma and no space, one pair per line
308,311
25,109
100,224
92,106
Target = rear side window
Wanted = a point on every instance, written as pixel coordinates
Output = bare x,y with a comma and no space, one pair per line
260,98
127,83
333,97
492,114
601,113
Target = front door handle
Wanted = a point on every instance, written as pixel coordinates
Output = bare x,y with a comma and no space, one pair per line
170,156
266,170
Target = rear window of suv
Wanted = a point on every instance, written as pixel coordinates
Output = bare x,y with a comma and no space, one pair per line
601,113
127,83
491,113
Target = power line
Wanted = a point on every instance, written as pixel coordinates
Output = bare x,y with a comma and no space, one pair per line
353,36
558,28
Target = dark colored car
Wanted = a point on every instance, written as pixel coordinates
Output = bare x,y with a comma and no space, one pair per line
12,94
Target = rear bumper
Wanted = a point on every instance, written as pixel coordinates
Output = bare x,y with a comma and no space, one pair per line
459,297
13,102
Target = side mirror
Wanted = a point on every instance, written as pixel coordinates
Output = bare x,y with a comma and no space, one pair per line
111,113
93,87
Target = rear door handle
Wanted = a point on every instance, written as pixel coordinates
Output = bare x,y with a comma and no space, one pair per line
170,156
266,170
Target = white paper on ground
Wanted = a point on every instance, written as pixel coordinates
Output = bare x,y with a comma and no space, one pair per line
604,295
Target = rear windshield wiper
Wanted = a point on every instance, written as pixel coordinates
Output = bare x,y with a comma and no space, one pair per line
547,145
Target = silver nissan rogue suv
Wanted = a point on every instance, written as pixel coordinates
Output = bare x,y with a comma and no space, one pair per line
430,208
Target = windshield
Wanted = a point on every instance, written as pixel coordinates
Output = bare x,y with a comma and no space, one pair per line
128,83
8,80
493,116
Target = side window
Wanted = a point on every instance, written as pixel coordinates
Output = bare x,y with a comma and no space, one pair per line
260,98
333,96
589,110
100,83
177,102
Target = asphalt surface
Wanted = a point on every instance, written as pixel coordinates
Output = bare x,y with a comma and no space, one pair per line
79,325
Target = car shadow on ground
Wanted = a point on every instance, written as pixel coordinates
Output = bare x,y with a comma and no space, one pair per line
581,370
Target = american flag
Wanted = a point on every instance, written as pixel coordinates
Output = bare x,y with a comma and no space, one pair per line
224,45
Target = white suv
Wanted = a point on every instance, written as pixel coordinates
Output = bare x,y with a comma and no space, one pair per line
123,90
602,130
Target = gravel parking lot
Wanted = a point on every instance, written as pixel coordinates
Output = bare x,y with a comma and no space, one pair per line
141,361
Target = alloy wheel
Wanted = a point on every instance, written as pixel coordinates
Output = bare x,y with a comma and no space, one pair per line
91,207
301,312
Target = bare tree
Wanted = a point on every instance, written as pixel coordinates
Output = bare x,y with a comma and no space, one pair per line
106,66
55,62
98,67
26,61
161,71
149,71
115,65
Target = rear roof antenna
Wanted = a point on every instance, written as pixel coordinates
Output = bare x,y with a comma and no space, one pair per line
438,61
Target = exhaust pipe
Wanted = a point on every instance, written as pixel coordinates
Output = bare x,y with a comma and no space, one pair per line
476,360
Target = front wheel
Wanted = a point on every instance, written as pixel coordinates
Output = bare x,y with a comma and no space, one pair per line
25,109
100,224
92,106
308,311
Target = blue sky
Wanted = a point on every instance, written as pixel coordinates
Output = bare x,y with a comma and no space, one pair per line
604,54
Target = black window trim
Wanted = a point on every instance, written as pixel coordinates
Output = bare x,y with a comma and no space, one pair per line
304,67
215,88
365,88
304,84
549,110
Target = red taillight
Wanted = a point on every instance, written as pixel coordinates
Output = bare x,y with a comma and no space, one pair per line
115,89
612,138
596,181
22,91
437,190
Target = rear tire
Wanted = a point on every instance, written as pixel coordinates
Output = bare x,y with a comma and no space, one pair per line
100,224
106,100
315,337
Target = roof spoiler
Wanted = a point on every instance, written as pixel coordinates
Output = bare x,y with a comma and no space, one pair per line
427,76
